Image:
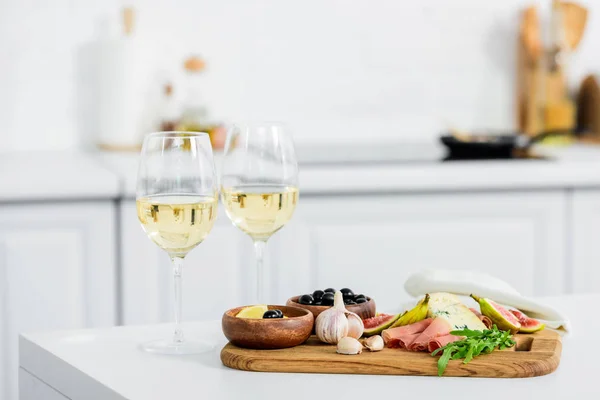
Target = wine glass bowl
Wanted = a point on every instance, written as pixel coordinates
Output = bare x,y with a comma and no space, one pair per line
163,219
177,204
260,210
259,183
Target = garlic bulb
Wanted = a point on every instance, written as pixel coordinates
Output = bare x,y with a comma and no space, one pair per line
337,322
374,343
349,345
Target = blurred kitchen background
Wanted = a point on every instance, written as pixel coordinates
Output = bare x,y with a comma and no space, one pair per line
368,89
334,70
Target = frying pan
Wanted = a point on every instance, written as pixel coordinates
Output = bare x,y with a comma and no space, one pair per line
493,146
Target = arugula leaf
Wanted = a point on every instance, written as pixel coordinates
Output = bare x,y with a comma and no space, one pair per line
436,351
474,344
443,361
469,355
466,332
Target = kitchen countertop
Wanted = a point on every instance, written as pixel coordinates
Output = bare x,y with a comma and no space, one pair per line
42,176
106,364
417,167
350,168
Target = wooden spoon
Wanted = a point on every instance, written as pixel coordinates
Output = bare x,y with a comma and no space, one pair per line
530,33
574,22
529,72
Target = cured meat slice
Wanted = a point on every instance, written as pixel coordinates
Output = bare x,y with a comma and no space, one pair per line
402,341
441,341
439,327
485,319
403,336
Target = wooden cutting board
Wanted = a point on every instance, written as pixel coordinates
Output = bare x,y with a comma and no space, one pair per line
534,355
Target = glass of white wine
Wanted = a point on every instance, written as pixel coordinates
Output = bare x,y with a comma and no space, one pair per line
177,206
259,184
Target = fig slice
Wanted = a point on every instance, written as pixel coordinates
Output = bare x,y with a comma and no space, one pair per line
378,323
499,315
528,325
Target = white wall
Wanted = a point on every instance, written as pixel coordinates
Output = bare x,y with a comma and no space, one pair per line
333,69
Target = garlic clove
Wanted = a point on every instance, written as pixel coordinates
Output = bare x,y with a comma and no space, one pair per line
349,345
374,343
356,327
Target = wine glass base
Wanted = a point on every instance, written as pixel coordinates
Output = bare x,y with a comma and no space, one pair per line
168,346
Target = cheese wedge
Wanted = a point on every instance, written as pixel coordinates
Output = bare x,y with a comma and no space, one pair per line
449,307
442,300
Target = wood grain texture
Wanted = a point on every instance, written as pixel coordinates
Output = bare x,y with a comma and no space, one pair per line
535,355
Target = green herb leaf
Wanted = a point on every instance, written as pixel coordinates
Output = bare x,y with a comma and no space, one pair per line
436,351
474,344
467,333
469,355
443,361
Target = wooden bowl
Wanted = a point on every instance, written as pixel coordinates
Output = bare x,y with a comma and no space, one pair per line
276,333
364,310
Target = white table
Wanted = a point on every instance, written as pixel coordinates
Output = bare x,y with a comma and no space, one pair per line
105,364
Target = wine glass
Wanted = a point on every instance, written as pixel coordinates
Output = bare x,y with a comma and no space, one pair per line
259,184
177,207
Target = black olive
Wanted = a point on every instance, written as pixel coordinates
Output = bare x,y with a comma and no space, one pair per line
327,299
306,299
329,290
347,292
359,296
350,302
347,300
317,303
272,314
328,296
317,294
360,300
279,312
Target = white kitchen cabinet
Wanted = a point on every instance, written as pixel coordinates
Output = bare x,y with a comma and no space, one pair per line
373,243
57,271
216,274
584,271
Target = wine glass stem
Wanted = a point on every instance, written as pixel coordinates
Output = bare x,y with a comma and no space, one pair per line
177,269
259,249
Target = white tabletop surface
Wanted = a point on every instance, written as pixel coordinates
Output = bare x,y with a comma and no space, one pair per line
106,364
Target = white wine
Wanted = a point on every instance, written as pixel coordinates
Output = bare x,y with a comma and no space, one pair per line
177,223
260,211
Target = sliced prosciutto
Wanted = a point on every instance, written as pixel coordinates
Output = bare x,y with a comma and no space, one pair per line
439,327
441,341
402,341
403,336
485,319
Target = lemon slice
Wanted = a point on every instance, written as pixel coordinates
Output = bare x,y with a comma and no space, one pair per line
255,312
